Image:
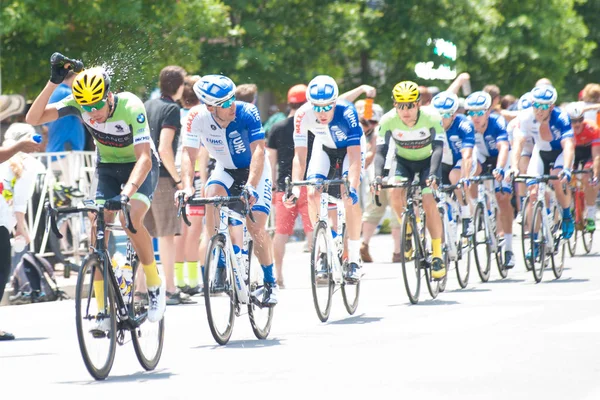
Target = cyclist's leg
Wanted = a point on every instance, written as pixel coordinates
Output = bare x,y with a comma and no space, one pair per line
590,193
505,219
318,168
353,211
563,198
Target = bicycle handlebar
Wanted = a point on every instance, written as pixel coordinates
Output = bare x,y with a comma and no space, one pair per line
217,201
316,183
378,185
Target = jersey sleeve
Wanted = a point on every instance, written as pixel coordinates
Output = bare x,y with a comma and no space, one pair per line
468,130
437,132
300,131
67,106
252,119
564,126
191,130
501,133
139,120
355,131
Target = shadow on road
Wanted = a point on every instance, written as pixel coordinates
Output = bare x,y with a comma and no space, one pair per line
136,377
28,355
567,280
437,302
469,290
507,280
243,344
356,320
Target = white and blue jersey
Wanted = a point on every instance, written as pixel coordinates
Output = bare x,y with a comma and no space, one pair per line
343,130
460,135
529,127
229,146
486,142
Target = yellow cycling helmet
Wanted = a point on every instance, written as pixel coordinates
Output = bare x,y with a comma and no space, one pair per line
91,86
406,92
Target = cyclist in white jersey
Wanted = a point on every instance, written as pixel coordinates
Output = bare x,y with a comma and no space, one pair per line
339,139
232,133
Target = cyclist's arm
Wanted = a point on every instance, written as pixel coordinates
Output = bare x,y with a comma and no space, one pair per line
355,167
188,159
371,149
596,158
458,82
143,165
300,145
203,158
353,94
591,107
467,157
257,162
41,112
503,148
568,145
437,151
165,150
383,143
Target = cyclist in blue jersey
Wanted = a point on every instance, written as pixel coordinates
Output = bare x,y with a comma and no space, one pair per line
232,133
457,159
339,142
491,141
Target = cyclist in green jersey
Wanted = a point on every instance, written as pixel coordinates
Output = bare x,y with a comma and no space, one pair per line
418,137
127,163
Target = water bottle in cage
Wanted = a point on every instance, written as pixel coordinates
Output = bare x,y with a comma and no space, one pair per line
124,275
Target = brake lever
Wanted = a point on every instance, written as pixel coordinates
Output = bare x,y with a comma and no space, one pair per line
248,210
181,209
52,215
128,223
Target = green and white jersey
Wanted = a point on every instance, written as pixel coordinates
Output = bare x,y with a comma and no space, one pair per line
115,139
412,143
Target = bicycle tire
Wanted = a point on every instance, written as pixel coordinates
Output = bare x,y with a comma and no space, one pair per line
445,255
321,272
587,238
463,269
409,273
155,331
261,318
71,257
525,233
572,241
483,269
350,295
538,215
214,298
84,302
499,256
558,260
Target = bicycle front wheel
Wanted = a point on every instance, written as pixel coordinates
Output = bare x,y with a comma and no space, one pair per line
558,259
572,241
261,317
464,247
526,232
148,337
321,272
219,293
350,294
96,332
445,253
411,257
587,238
481,244
538,257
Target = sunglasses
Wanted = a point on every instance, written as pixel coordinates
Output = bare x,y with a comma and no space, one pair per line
576,121
326,108
368,122
94,107
405,106
227,103
541,106
476,113
446,115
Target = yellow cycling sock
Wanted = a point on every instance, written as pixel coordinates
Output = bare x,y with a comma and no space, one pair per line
99,293
179,278
152,277
192,267
436,248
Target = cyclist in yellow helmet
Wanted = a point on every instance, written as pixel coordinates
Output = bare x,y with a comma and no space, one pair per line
418,137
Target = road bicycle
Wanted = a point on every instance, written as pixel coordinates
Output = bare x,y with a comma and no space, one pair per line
125,312
328,266
578,210
230,279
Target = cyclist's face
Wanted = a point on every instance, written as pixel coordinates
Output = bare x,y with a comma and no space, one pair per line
407,112
480,121
224,115
577,125
103,113
542,115
447,122
324,117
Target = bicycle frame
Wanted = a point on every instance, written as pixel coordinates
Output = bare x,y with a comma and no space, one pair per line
484,197
338,242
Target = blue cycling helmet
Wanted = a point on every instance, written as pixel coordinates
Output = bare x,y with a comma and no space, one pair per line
544,94
214,90
524,102
322,90
445,102
478,101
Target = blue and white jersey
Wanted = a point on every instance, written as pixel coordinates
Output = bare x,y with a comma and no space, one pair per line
229,146
460,135
343,130
486,142
529,127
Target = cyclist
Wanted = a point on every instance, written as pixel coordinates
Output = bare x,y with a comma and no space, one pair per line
491,141
554,146
232,133
127,162
587,152
457,160
339,141
417,136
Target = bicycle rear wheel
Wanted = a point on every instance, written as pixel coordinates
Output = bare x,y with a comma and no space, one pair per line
464,247
321,272
219,296
350,294
538,256
572,241
74,246
481,244
97,349
588,239
499,256
411,257
525,232
148,337
445,253
558,259
261,317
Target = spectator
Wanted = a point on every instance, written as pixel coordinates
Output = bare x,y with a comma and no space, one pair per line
426,96
280,149
164,120
187,252
274,117
17,179
494,92
507,102
247,92
590,96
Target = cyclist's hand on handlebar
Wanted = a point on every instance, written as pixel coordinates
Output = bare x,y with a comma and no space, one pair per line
498,174
289,200
432,182
376,185
466,182
252,194
512,174
565,175
186,192
116,203
594,181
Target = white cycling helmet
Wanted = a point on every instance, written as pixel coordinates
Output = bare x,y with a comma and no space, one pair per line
445,102
478,101
524,102
214,90
575,110
322,90
544,94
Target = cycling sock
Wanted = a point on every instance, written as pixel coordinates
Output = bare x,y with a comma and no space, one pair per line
152,277
179,278
508,242
465,211
99,293
591,212
436,248
192,267
567,213
353,251
268,273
